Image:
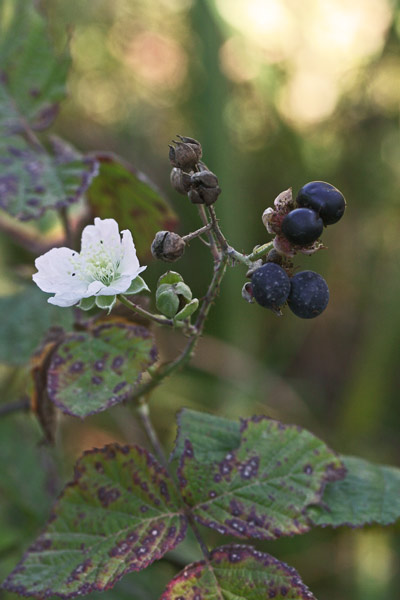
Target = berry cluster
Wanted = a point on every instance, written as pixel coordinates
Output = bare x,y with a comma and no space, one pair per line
298,225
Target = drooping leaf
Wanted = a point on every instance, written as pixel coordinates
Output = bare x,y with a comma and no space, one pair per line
262,488
211,437
238,572
119,514
32,77
32,181
368,494
92,371
25,318
128,196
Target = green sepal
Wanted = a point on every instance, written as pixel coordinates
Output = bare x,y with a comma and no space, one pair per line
137,285
182,289
87,303
106,302
187,310
169,277
168,302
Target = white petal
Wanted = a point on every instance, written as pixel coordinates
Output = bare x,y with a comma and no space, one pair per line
118,286
129,264
104,232
93,289
55,271
65,299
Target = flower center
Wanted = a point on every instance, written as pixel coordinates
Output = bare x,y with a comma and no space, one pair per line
98,264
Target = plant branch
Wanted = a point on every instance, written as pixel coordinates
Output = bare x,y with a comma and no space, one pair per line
211,239
159,319
190,236
63,212
144,414
22,405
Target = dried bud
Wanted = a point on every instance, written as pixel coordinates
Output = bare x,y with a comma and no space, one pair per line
205,188
180,181
167,246
185,154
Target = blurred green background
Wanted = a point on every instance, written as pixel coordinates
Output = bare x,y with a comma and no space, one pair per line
279,93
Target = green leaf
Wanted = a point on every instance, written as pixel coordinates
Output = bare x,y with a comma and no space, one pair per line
33,181
26,317
138,285
33,79
187,310
92,371
262,488
368,494
119,514
128,196
238,573
211,437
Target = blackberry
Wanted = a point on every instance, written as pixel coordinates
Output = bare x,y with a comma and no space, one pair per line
324,198
309,294
302,226
270,286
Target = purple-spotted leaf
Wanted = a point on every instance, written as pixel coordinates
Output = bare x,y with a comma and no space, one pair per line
33,181
128,196
119,514
92,371
368,494
32,77
262,488
240,573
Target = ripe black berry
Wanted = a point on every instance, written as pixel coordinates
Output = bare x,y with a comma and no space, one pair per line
309,294
324,198
270,286
302,226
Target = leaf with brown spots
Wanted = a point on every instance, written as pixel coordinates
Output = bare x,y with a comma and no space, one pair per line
128,196
94,370
119,514
262,487
32,77
238,572
32,181
368,494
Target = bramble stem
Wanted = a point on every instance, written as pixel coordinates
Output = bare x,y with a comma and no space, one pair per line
22,405
261,251
159,319
63,212
213,247
190,236
143,410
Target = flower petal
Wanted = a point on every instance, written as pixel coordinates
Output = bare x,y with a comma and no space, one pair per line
65,299
56,271
129,263
104,233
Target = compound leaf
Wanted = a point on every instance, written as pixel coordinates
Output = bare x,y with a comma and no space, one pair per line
92,371
368,494
240,573
32,77
262,488
122,192
32,181
119,514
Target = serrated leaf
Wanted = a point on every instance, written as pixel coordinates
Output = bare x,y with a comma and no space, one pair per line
368,494
262,488
212,437
238,572
32,77
25,318
92,371
119,514
33,181
128,196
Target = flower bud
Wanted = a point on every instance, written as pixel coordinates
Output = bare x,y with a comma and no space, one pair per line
186,153
180,181
167,246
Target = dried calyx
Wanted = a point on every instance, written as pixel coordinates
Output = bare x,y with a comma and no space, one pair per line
168,246
185,154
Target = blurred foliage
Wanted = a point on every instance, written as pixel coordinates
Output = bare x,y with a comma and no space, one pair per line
279,94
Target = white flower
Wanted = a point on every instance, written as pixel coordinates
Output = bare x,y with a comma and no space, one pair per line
106,266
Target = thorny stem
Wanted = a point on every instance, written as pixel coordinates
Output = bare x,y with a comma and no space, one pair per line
190,236
144,414
159,319
213,247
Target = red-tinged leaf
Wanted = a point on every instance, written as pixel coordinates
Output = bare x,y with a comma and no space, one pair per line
263,487
238,573
119,514
94,370
128,196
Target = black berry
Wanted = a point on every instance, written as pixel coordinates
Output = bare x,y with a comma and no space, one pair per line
302,226
270,286
309,294
324,198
